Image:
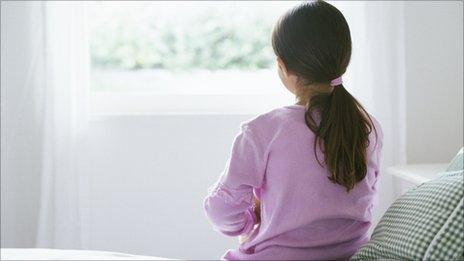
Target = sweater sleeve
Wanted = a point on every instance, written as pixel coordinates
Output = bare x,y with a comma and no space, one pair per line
229,204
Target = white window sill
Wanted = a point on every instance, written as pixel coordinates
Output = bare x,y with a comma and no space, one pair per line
410,176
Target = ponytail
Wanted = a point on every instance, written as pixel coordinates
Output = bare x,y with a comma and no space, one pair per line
314,42
342,127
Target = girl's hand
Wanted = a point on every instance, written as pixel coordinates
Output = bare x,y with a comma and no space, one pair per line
257,211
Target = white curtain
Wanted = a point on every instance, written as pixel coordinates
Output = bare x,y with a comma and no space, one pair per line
376,76
64,98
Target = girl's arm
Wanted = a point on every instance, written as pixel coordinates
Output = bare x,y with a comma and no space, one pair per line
229,205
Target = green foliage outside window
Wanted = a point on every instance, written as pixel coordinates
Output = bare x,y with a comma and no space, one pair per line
212,39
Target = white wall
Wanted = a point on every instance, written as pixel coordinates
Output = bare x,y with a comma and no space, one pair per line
434,80
148,178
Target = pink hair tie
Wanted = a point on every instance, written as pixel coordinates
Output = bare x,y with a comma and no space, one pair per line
336,82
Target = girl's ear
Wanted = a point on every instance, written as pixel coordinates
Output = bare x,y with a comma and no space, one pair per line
282,67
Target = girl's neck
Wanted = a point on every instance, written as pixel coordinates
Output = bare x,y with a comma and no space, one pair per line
304,93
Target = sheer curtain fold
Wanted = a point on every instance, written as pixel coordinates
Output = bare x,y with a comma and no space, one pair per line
62,216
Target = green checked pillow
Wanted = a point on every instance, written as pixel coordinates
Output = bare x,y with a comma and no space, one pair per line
425,223
458,162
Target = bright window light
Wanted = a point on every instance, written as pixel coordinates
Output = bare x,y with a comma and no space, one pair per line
184,57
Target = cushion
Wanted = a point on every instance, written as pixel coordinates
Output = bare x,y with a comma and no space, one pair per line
425,223
458,161
448,244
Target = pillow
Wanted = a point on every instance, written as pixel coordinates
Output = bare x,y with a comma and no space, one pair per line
458,162
425,223
448,244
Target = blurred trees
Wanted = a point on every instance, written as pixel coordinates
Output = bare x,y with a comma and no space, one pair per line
212,38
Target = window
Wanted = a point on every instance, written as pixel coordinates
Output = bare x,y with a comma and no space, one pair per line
184,57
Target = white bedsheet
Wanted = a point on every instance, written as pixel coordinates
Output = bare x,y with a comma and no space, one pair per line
59,254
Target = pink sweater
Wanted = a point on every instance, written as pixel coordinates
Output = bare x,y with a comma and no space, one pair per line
303,214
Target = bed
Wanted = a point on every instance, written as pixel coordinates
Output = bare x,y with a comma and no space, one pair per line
59,254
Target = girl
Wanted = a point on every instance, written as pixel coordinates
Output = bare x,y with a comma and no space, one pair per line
301,179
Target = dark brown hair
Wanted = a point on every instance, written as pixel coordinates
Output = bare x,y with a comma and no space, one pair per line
313,40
